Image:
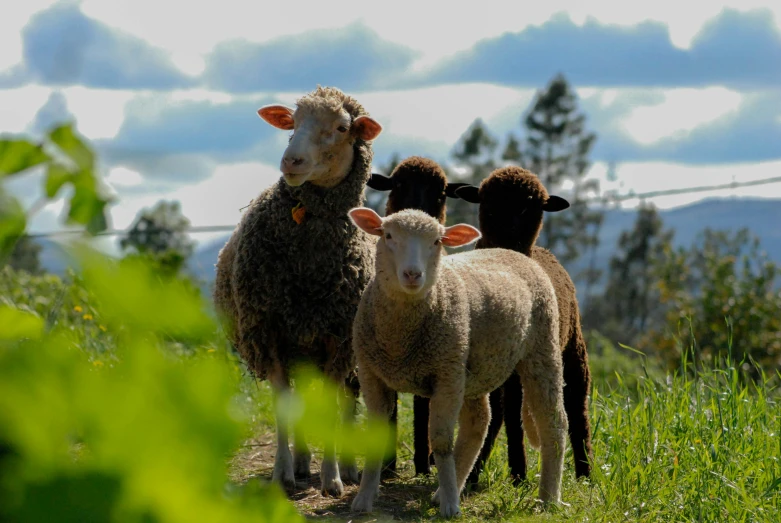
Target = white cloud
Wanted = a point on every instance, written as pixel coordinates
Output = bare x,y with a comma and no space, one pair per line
124,177
15,16
99,113
681,111
18,106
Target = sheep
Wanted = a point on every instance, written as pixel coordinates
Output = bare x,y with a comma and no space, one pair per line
512,201
416,183
290,277
453,329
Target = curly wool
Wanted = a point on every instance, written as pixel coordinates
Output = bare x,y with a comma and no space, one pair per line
290,291
419,183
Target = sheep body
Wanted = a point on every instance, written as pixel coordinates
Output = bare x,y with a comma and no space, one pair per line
486,314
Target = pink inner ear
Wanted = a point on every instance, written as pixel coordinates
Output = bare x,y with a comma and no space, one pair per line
367,220
279,116
459,235
366,128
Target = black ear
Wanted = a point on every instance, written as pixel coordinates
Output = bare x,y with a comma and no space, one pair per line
450,190
555,204
380,182
469,193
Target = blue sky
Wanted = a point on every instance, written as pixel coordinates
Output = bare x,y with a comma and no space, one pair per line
679,93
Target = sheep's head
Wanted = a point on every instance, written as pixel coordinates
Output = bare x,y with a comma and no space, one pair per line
410,247
326,124
416,183
512,201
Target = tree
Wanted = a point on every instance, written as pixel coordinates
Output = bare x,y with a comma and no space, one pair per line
160,233
556,148
475,152
26,255
631,298
720,295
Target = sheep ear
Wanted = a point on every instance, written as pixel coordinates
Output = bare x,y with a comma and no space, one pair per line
469,193
279,116
380,182
367,220
366,128
452,189
555,204
459,235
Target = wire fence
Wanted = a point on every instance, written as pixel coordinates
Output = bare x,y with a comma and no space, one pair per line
606,198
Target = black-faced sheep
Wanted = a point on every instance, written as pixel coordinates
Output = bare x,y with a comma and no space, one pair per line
453,329
290,278
512,201
416,183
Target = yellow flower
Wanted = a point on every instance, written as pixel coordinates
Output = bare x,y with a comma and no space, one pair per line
97,363
87,317
211,350
77,309
102,327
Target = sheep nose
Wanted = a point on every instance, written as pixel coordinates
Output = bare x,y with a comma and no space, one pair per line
292,161
412,276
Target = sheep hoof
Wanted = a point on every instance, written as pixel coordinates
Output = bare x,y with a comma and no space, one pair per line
334,488
301,465
449,510
349,473
284,476
363,501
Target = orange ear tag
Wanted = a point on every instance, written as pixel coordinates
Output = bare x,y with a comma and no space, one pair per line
298,212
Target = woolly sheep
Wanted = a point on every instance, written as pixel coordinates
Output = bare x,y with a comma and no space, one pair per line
453,329
512,201
290,278
416,183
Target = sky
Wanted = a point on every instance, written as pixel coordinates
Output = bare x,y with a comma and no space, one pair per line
683,93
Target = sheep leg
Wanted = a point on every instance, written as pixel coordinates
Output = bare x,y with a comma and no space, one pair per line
422,458
283,462
330,481
578,382
516,451
445,407
347,468
379,404
302,457
472,427
541,375
389,464
495,399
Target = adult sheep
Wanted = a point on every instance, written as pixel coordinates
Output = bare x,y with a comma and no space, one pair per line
512,202
290,278
453,329
416,183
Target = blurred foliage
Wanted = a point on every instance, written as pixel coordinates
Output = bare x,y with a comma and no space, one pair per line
160,233
118,400
26,255
722,292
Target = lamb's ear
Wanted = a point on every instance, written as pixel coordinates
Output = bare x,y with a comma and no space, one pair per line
380,182
469,193
367,220
279,116
452,189
555,204
366,128
459,235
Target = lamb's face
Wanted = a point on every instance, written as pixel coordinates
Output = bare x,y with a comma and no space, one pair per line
320,150
410,247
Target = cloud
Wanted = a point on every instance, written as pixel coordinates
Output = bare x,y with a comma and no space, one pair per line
351,58
61,46
54,111
733,49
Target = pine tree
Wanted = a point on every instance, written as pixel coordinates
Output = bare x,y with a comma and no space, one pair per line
475,152
556,147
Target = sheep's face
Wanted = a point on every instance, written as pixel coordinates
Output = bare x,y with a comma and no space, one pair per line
320,150
410,247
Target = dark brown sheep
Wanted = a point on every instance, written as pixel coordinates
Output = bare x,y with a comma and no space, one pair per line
512,201
416,183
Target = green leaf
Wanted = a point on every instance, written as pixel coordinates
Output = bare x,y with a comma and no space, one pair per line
87,207
67,140
56,176
12,223
16,324
19,155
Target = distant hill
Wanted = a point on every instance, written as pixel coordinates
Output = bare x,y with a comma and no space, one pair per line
761,216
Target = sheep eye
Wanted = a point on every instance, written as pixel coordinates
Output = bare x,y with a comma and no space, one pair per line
387,236
342,129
